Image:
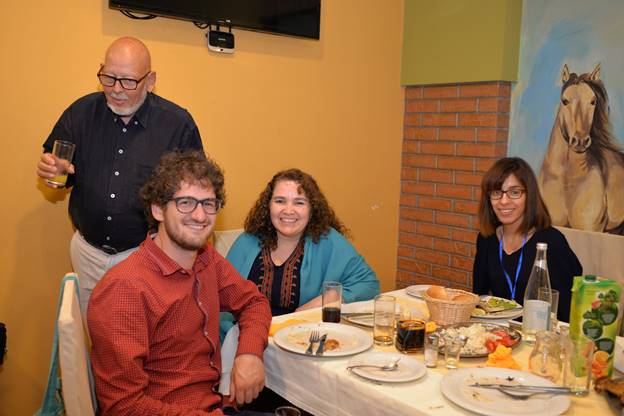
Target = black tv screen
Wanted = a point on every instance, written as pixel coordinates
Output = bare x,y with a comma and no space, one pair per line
289,17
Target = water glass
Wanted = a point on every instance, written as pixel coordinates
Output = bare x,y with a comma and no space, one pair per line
452,350
332,299
63,152
577,364
287,411
383,319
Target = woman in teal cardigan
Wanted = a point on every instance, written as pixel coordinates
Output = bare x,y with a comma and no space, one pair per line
293,242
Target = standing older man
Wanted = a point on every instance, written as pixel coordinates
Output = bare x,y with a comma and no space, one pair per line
154,317
120,135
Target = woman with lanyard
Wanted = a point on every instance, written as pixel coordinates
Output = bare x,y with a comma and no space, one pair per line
513,219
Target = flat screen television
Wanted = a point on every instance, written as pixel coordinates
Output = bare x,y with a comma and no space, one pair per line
288,17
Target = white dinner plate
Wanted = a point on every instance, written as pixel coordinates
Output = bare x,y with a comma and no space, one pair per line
351,340
408,368
455,386
417,290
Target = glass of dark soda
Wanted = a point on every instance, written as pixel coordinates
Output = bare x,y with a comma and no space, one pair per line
332,299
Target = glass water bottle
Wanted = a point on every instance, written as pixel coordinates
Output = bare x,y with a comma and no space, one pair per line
537,297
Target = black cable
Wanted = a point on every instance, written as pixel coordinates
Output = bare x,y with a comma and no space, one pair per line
134,16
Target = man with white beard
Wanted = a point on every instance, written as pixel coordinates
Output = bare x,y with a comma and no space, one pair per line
120,135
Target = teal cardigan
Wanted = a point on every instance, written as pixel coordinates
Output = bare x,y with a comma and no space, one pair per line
333,258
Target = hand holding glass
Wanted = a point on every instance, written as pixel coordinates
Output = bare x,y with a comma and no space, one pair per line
62,152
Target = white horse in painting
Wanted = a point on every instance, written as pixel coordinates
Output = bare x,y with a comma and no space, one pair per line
582,176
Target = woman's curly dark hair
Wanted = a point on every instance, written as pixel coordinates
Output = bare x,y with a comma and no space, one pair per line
190,166
322,215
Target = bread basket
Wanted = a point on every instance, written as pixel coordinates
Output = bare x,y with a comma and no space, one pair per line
447,312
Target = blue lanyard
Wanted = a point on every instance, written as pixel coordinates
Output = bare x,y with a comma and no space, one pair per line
512,289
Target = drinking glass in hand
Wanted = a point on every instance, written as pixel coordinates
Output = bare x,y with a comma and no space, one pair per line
62,152
383,320
332,299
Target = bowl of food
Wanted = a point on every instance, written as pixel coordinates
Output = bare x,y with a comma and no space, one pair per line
482,338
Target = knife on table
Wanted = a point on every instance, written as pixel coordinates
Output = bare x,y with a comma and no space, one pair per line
321,347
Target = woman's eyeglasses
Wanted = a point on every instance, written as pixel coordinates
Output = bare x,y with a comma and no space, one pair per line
513,193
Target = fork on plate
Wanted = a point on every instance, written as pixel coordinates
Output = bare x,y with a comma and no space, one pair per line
314,338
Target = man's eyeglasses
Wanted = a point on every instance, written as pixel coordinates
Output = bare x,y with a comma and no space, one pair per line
188,204
126,83
513,193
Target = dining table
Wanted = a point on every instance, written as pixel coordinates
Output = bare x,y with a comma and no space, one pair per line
323,386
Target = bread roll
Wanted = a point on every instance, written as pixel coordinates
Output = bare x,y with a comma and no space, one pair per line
437,292
462,297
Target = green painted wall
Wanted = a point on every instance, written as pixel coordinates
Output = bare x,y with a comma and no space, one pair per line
451,41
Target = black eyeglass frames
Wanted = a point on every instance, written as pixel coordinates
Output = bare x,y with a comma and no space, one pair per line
126,83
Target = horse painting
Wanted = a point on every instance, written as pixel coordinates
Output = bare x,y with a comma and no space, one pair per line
582,175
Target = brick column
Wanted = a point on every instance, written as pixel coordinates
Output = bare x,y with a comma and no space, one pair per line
452,134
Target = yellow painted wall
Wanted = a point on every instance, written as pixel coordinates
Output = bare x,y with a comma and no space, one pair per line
451,41
332,107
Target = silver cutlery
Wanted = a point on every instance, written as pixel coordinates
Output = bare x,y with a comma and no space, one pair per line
314,338
386,367
521,392
321,347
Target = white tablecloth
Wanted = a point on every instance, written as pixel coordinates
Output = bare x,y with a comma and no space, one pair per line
324,387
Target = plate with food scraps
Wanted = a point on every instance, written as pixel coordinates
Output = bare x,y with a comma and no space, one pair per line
341,339
417,290
457,387
482,338
492,307
408,368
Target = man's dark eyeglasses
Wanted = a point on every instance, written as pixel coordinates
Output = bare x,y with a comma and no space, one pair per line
126,83
188,204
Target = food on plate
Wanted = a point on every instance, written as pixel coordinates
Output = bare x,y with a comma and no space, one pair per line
478,312
430,326
612,386
463,298
492,304
481,338
332,344
502,358
437,292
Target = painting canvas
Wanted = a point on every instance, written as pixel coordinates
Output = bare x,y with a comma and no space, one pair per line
567,116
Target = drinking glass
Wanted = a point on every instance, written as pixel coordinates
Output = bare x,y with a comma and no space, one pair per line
554,305
383,326
63,152
287,411
332,299
577,364
452,350
410,335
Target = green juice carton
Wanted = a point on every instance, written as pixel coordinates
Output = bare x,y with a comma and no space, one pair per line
595,313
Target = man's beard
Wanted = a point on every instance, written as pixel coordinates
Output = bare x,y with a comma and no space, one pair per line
181,241
126,112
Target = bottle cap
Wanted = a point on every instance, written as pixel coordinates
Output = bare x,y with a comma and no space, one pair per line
542,246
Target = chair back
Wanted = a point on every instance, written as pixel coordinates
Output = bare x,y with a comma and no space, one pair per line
77,381
224,239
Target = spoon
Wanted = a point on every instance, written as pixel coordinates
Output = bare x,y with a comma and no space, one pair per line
386,367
